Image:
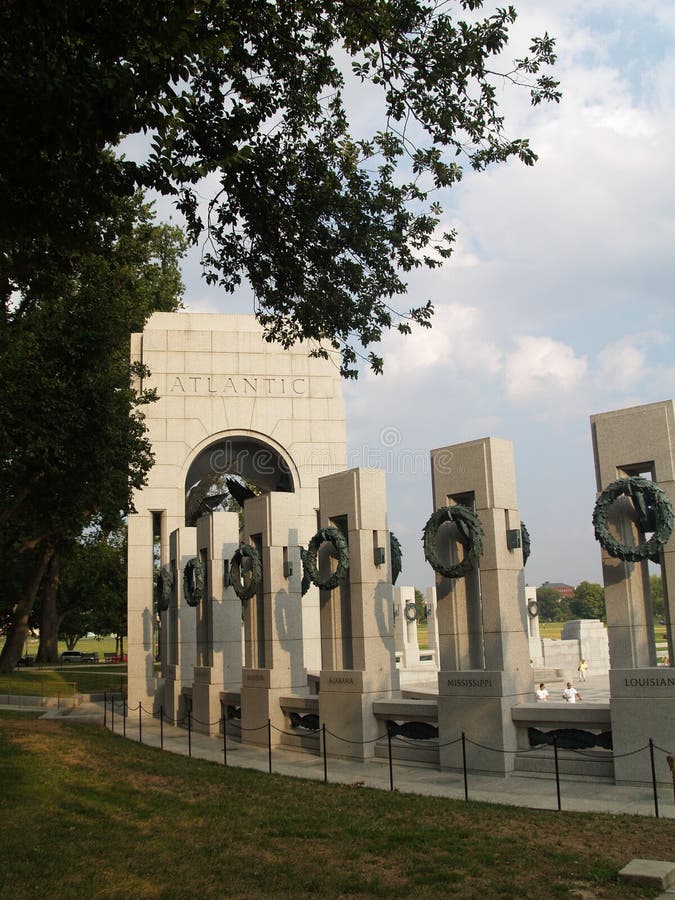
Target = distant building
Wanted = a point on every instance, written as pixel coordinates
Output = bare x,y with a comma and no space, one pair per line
565,590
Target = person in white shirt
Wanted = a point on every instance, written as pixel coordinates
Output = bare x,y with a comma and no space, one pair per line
542,693
571,694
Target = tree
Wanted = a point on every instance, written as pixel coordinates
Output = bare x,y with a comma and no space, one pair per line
588,601
324,223
656,594
421,606
72,438
552,607
92,589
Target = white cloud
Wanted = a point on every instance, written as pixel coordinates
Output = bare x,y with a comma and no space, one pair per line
623,364
454,342
542,366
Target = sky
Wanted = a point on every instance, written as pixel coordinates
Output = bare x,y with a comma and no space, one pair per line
558,302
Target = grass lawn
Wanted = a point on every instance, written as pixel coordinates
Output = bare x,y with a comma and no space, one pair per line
551,630
95,816
64,680
87,645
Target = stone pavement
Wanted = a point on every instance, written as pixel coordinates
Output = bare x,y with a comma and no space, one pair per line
517,789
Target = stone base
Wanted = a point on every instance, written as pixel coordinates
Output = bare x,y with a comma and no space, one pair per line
641,706
260,703
174,703
478,703
206,710
346,708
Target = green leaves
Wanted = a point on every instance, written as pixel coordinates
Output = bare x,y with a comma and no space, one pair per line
73,438
323,222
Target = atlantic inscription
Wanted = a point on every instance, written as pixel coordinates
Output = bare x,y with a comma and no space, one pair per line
239,385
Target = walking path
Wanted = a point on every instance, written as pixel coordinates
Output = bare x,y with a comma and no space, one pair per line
517,789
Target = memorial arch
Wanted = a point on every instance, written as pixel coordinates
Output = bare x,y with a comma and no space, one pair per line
232,458
231,405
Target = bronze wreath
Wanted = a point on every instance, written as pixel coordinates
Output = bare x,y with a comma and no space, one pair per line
338,540
470,534
526,542
654,510
163,588
396,557
193,581
410,612
242,590
533,609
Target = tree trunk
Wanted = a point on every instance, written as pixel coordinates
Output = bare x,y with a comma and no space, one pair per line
48,651
34,570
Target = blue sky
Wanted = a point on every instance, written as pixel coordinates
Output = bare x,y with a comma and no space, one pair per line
558,302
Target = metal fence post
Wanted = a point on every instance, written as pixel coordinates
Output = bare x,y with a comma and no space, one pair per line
557,771
466,780
656,796
269,745
325,763
190,733
391,767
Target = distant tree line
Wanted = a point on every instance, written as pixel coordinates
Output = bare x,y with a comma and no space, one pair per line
588,602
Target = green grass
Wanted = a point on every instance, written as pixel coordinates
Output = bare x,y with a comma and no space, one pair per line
64,680
423,635
95,816
87,645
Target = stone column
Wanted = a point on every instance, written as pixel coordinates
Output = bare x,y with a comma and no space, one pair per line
141,663
627,442
178,669
484,664
219,645
533,634
273,619
406,628
357,629
432,621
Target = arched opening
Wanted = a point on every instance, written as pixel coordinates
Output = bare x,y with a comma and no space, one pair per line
236,466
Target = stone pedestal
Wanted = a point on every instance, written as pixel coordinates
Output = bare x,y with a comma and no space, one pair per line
479,704
407,645
484,653
218,623
628,442
642,704
591,636
357,629
432,621
141,665
533,634
180,625
274,664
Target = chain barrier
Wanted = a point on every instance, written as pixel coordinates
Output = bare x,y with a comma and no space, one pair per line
322,732
362,743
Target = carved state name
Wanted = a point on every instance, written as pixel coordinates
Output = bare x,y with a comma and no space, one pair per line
238,385
469,682
650,682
